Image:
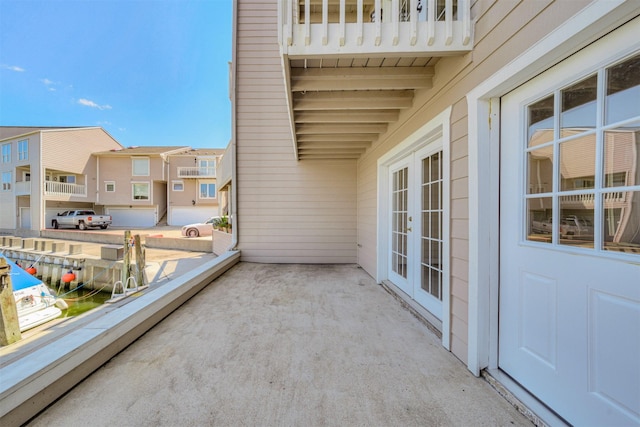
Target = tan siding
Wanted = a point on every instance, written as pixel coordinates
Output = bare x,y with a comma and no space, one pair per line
288,211
71,150
503,30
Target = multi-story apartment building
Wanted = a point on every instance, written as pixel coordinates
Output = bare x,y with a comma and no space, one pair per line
407,137
45,171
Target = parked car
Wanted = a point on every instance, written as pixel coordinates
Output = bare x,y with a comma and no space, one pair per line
569,226
199,229
81,219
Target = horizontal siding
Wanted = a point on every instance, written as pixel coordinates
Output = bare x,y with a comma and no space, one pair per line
71,150
503,30
288,211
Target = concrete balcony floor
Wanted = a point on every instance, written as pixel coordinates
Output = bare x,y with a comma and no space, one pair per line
291,345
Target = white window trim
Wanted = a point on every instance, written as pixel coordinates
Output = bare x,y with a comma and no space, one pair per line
591,23
23,154
215,196
173,185
438,127
133,169
2,155
133,183
106,186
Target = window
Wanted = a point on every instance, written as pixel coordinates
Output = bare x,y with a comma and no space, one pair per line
140,166
178,185
110,186
140,190
6,153
582,156
23,149
6,181
69,179
207,190
207,167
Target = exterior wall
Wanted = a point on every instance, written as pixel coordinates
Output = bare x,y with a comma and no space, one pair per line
71,150
288,211
118,169
501,32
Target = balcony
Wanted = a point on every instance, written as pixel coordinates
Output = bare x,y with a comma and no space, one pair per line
196,172
23,188
350,71
64,189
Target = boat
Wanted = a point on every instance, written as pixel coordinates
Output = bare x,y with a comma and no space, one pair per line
36,303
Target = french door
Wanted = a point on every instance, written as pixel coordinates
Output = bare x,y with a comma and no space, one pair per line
417,241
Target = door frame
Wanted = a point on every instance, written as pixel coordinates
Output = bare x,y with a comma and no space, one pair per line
437,128
483,103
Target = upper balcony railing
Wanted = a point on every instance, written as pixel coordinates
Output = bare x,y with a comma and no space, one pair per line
354,28
54,188
23,188
196,172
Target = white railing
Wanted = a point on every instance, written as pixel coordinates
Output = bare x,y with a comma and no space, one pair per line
402,26
23,188
588,199
54,188
197,172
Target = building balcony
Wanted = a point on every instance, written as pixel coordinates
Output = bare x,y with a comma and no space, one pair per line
65,189
350,71
23,188
353,28
196,172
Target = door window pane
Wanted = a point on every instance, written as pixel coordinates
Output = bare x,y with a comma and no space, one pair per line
540,167
621,221
578,163
579,107
540,122
540,219
576,220
399,222
623,90
622,156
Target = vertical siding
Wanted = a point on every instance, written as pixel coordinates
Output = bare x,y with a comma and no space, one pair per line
288,211
503,30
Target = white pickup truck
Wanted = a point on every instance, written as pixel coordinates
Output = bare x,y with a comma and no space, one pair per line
81,219
569,226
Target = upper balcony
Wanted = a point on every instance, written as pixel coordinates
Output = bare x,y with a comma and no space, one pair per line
353,28
350,71
197,172
64,189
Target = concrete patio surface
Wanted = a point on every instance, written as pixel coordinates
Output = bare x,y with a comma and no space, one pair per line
294,345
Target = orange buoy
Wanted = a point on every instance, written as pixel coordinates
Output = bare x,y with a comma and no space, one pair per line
68,277
31,270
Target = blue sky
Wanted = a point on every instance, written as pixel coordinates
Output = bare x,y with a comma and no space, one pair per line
150,72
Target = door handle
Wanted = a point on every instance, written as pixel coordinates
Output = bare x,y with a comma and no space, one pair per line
408,229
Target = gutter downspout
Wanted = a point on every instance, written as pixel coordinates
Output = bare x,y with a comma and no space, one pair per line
234,159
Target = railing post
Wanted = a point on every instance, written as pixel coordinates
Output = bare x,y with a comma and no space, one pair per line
360,22
431,22
325,22
342,22
413,19
377,13
395,18
307,22
448,18
465,7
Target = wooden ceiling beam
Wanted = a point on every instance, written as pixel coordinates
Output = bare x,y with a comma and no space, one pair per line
353,100
361,78
321,129
352,116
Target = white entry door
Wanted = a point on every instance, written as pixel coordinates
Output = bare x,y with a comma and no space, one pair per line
569,320
417,251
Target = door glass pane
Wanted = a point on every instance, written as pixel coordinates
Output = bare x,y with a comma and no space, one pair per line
431,211
622,156
540,218
540,166
399,222
621,221
540,122
579,107
578,163
576,220
623,90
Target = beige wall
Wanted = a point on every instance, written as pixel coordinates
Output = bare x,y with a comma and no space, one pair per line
502,32
289,211
71,150
191,185
118,169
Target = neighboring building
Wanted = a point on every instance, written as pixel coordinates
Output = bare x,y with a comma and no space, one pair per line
407,146
193,192
45,171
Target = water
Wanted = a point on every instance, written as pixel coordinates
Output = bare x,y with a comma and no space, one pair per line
81,301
